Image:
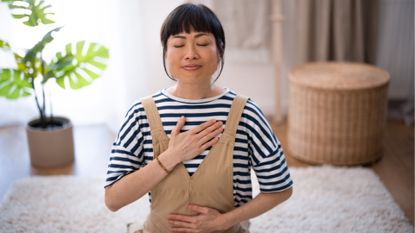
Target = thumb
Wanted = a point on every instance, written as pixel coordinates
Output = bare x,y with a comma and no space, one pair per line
179,126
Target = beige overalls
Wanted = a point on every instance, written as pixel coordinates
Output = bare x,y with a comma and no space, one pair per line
210,186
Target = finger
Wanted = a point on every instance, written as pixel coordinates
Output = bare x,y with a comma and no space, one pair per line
198,209
211,135
180,218
206,131
181,223
176,224
202,126
179,126
209,143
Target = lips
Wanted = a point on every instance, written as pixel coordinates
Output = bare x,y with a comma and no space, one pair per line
191,67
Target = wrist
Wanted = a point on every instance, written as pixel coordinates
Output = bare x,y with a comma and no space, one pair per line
168,160
224,222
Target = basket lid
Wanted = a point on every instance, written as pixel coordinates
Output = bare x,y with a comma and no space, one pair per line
339,75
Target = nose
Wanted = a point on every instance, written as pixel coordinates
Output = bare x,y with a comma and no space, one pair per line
191,53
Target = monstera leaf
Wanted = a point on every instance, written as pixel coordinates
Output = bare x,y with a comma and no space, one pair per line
31,11
31,63
39,46
79,65
14,84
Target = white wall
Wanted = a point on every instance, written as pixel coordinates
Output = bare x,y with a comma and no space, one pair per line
140,64
255,80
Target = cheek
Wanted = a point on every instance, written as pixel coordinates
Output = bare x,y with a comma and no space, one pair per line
214,57
170,59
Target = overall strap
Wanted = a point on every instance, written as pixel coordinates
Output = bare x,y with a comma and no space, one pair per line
234,115
154,120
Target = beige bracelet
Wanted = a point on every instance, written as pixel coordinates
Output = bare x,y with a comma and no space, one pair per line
162,166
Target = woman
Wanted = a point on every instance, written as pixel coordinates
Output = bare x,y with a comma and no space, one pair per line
192,146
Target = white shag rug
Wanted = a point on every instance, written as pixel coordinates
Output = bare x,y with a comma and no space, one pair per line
326,199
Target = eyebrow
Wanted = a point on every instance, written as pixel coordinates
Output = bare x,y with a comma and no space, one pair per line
196,36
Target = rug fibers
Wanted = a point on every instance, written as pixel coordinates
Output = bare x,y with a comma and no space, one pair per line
325,199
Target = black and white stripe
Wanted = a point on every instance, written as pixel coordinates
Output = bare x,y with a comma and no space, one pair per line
256,145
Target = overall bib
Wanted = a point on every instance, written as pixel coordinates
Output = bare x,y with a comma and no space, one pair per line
210,186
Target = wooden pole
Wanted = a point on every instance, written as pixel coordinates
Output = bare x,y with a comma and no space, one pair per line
276,20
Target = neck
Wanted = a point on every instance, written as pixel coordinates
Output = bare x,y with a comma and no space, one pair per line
194,91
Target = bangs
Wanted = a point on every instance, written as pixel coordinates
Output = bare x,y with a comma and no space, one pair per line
190,18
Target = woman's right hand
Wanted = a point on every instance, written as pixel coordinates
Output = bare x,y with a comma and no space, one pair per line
189,144
182,146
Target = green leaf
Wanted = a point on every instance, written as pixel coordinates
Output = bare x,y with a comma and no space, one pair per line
78,81
4,44
19,62
32,11
91,73
14,84
33,52
61,82
62,64
79,65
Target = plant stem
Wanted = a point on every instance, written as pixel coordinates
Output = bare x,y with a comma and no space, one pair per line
43,100
42,116
40,107
42,71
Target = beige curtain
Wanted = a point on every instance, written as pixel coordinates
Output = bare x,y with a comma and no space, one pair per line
341,30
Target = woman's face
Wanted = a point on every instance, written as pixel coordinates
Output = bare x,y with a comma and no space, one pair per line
192,57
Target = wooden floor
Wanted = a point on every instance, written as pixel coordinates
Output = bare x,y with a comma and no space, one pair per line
92,146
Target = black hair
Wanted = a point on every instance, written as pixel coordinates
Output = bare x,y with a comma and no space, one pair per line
190,16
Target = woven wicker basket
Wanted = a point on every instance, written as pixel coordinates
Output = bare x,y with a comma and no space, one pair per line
337,112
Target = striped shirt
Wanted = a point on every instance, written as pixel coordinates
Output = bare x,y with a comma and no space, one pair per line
256,146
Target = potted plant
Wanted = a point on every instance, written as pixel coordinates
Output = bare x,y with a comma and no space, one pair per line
50,137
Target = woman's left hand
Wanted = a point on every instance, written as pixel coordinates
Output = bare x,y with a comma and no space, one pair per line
206,220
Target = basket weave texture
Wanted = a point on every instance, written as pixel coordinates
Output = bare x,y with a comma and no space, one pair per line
337,112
